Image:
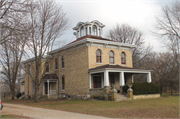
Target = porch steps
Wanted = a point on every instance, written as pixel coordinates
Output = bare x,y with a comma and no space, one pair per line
121,97
52,97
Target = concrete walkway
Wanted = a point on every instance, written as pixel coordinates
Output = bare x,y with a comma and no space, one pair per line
40,113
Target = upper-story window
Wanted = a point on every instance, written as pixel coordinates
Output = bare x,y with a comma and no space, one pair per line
95,30
123,58
29,70
62,62
56,63
89,30
98,56
82,31
111,57
47,66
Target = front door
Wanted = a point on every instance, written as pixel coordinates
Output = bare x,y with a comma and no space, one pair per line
97,81
46,87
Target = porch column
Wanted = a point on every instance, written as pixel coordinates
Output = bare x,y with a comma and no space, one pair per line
149,77
89,81
102,80
48,87
106,78
43,88
132,79
56,87
121,78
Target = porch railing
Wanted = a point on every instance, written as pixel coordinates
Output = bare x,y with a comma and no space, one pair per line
52,92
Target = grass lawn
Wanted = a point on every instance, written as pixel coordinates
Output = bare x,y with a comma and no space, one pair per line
164,107
10,116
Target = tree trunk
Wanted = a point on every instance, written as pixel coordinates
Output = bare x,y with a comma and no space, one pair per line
12,94
36,93
161,88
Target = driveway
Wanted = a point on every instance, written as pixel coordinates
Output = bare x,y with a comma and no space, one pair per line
40,113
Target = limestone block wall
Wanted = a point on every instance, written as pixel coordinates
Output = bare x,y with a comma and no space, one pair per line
75,71
105,56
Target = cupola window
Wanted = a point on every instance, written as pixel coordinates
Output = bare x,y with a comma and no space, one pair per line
95,30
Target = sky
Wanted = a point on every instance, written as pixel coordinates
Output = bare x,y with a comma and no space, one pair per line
140,14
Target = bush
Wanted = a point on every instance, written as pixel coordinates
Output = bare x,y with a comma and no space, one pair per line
18,95
143,88
125,88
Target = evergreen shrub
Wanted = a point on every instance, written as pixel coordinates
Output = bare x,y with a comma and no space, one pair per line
143,88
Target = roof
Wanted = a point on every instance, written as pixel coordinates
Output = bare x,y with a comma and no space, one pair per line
50,76
108,66
93,39
90,36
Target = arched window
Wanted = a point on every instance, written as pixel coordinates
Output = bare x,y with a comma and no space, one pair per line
89,30
63,83
111,57
86,31
95,30
56,63
82,31
62,62
47,66
29,70
98,56
123,58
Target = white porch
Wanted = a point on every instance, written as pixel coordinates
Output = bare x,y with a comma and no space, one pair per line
50,87
120,77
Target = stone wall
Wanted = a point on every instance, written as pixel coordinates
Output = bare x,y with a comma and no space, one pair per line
105,56
147,96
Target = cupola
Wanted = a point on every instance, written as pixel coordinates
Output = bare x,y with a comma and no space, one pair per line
93,28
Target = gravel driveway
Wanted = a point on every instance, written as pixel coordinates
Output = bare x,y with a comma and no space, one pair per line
40,113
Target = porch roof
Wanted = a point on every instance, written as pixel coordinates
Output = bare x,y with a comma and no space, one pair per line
117,68
50,76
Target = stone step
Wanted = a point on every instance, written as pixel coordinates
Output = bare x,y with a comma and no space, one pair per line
121,97
52,97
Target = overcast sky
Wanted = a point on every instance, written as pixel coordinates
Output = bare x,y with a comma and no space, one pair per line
137,13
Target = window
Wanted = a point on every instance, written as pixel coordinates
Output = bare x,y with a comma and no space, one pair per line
123,58
82,31
111,57
29,70
62,61
97,81
47,66
56,63
89,30
98,56
63,83
86,31
95,30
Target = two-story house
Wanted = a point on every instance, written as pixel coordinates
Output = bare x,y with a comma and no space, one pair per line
89,62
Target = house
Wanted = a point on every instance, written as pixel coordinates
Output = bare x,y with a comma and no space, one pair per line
21,84
88,64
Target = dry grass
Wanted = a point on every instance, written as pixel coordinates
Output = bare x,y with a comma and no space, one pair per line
164,107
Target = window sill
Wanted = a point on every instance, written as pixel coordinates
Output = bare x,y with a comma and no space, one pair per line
112,64
99,63
55,69
124,65
63,90
47,72
62,68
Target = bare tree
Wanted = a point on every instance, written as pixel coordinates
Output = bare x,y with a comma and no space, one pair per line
126,34
168,28
9,8
48,22
13,48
